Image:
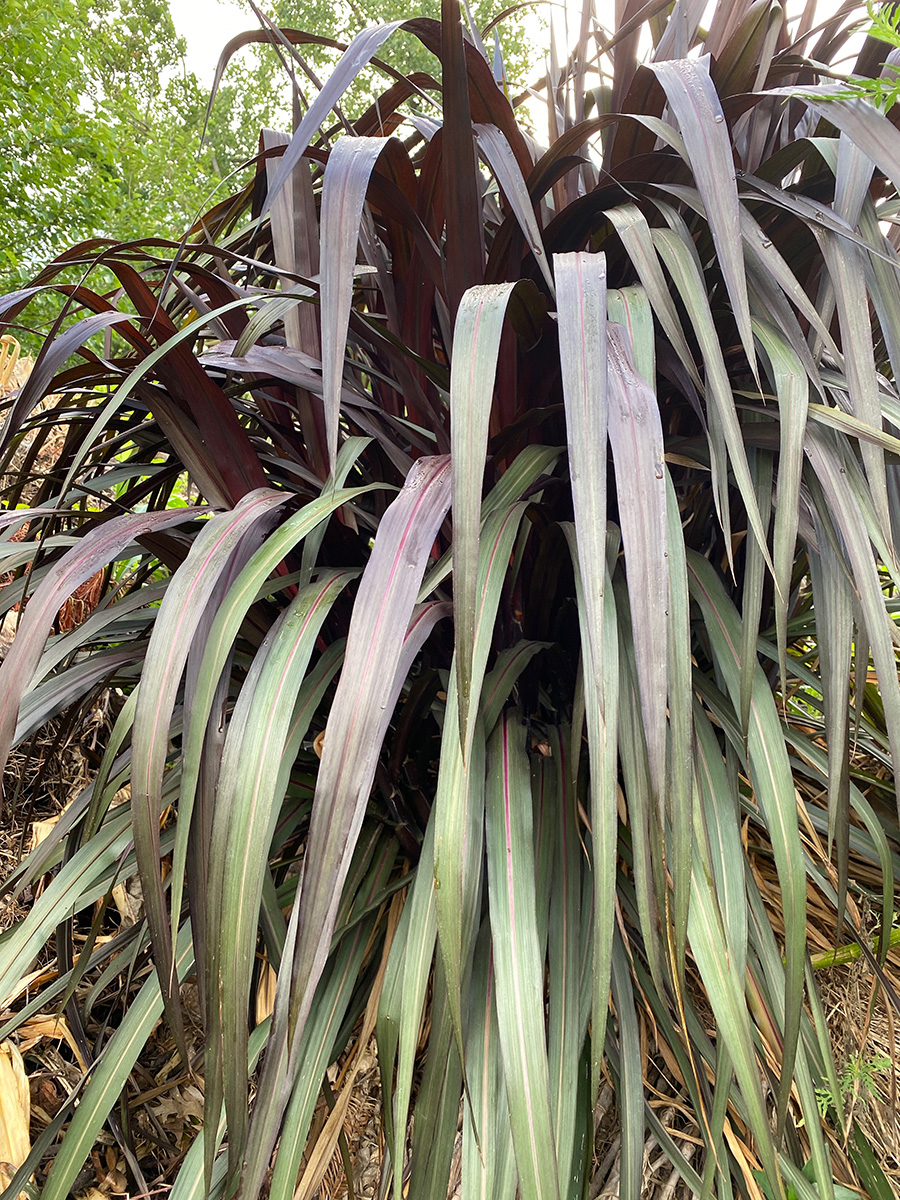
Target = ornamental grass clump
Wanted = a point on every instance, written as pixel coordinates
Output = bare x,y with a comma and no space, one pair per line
498,552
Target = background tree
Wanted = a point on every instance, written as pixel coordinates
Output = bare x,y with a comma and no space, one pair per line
101,121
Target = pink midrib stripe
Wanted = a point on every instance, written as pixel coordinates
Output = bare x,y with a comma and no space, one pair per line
180,621
286,669
374,644
476,325
50,604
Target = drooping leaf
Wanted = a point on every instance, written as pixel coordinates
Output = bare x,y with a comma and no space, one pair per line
635,434
94,551
488,1168
496,149
517,963
459,802
774,789
247,806
360,51
792,391
689,281
379,653
476,343
693,99
180,614
346,179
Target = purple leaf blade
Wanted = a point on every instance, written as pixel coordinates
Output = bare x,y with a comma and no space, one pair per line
95,550
347,174
635,433
190,590
518,962
385,635
476,345
692,98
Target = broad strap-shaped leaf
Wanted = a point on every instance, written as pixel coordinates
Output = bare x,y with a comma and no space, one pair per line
518,965
635,433
600,668
581,301
760,462
347,458
853,174
190,1183
436,1115
832,474
459,802
52,356
868,129
679,257
403,1000
221,483
62,690
71,887
294,226
500,158
846,267
18,518
792,391
765,992
337,990
360,51
582,304
108,623
464,258
765,259
567,1017
545,805
725,989
692,98
247,805
774,789
488,1165
645,810
527,467
634,231
344,187
381,645
834,625
679,793
109,1076
630,307
476,345
229,616
499,682
190,590
884,287
680,30
98,548
716,835
817,766
629,1091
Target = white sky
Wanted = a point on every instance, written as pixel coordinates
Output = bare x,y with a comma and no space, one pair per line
207,25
